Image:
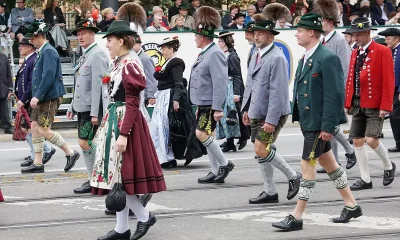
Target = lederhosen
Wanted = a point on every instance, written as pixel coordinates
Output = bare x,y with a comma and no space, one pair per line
359,127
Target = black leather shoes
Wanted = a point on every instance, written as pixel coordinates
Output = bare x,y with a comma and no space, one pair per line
169,164
207,179
348,214
71,160
109,212
33,168
289,224
85,188
223,145
113,235
187,162
294,186
8,131
47,156
388,175
144,199
242,144
351,160
28,161
229,148
394,149
224,172
264,198
360,185
143,227
321,170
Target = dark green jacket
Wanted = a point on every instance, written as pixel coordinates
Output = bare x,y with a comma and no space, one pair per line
318,95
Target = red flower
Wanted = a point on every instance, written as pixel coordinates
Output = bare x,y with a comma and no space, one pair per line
175,37
85,24
158,68
106,79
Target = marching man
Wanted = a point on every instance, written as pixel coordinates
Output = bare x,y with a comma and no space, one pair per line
369,97
266,108
47,92
208,84
392,38
89,72
319,71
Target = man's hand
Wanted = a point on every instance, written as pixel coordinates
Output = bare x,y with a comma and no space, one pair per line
269,128
325,136
120,145
383,113
19,104
246,119
95,121
398,97
236,98
60,24
152,101
218,115
34,102
176,106
70,115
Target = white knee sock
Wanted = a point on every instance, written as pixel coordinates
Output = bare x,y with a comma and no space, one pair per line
383,155
362,160
141,213
122,220
214,164
216,152
341,138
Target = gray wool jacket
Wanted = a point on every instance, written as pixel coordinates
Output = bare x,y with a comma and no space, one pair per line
338,45
148,67
209,78
267,87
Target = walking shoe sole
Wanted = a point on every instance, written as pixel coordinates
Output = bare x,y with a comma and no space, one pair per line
69,168
272,201
35,171
359,189
288,230
394,168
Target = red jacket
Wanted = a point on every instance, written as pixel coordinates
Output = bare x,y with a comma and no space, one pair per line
376,79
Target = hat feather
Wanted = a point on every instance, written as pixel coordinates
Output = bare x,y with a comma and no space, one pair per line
258,17
328,9
207,16
276,11
133,13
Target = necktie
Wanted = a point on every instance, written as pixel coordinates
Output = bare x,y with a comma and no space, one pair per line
258,58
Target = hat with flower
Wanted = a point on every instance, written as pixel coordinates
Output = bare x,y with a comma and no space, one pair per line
206,20
85,24
37,28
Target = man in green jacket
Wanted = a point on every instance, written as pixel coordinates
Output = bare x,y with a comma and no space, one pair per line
318,106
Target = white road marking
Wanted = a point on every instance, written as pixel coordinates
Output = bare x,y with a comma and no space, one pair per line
94,204
9,197
320,219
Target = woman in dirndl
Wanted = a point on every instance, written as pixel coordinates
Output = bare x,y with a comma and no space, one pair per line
1,197
233,100
173,122
125,152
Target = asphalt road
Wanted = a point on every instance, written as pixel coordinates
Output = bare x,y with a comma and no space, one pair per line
44,207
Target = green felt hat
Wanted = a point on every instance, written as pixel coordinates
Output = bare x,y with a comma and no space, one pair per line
37,28
266,25
119,27
249,26
184,6
311,21
205,30
85,24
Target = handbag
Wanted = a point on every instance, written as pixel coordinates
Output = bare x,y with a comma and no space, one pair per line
116,199
21,118
231,118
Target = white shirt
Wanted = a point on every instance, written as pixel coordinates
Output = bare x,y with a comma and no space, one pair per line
309,53
239,26
206,47
262,51
352,45
384,16
365,47
328,36
91,45
27,57
40,49
341,20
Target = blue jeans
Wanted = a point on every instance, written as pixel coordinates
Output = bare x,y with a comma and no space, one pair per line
47,147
